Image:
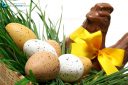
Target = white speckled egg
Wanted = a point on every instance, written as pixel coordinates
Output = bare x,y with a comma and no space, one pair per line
35,45
71,68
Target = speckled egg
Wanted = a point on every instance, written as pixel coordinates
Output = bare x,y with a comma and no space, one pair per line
56,46
87,65
71,68
35,45
44,65
20,33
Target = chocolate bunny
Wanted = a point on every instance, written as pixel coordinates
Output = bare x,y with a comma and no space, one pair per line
98,18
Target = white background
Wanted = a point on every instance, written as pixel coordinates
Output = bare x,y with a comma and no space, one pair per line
74,12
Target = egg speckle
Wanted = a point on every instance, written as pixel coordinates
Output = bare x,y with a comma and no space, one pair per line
44,65
34,45
71,68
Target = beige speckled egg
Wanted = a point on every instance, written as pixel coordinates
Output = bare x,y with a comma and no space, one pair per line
56,46
87,65
44,65
19,33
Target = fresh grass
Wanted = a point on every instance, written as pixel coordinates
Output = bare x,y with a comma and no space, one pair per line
100,78
52,30
14,57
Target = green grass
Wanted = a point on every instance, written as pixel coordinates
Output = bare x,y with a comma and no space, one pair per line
14,57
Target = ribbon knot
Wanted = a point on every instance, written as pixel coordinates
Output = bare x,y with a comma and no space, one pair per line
88,45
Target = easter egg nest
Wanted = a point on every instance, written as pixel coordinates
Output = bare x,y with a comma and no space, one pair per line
29,58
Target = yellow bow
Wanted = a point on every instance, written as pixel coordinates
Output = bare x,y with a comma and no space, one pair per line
88,45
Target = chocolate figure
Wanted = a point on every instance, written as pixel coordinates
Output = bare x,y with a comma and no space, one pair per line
98,18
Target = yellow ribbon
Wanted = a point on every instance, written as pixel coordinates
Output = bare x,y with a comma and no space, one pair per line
88,45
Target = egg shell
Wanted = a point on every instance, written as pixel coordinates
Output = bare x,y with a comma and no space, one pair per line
87,65
44,65
35,45
71,68
56,46
19,33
